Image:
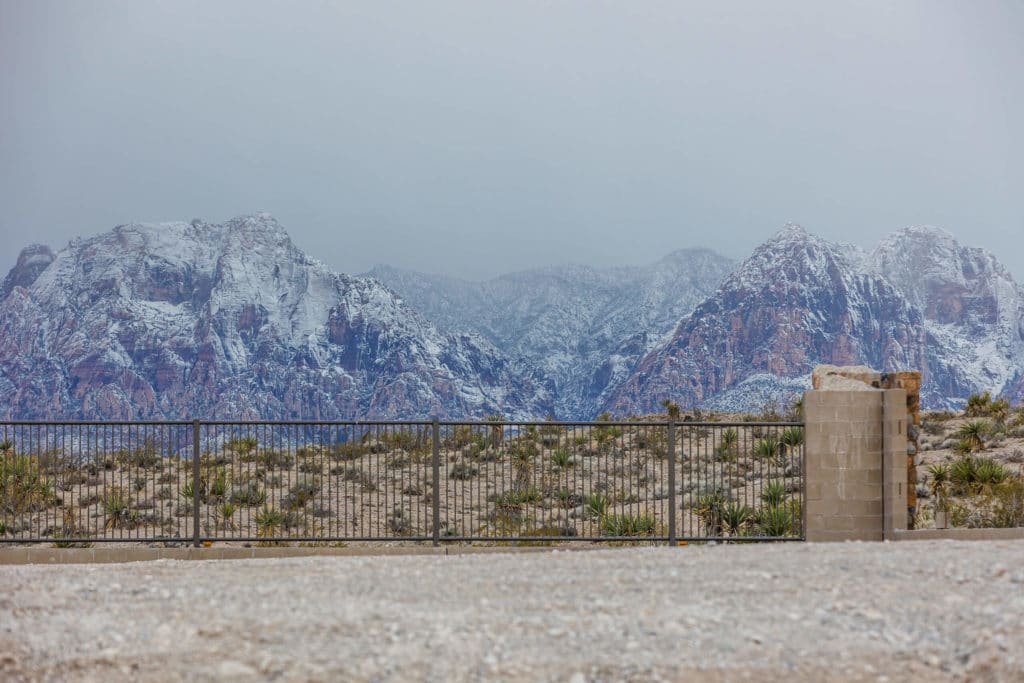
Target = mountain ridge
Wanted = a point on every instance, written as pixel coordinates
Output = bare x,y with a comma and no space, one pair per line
233,320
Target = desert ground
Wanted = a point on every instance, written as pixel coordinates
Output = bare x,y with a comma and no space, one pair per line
911,611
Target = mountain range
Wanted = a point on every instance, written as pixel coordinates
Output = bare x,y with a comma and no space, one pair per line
233,321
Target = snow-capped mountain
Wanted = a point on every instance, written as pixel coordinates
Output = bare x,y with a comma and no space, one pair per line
231,321
583,327
973,312
796,302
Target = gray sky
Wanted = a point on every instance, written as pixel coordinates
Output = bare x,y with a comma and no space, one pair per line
478,137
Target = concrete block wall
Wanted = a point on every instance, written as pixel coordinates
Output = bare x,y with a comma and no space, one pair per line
855,464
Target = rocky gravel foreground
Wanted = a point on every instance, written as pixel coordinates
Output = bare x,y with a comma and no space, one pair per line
918,611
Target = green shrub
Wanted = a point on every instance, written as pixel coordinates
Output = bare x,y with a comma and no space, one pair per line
301,493
777,520
734,517
462,471
629,525
249,494
793,437
275,460
596,504
972,434
117,508
23,488
773,493
561,457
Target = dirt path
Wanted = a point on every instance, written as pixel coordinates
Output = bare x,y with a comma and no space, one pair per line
921,611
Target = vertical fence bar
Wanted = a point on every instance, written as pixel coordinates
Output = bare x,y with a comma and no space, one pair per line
672,482
435,460
195,483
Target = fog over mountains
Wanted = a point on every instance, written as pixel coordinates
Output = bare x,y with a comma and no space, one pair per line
232,320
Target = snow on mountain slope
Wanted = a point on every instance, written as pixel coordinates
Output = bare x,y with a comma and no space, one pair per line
233,321
973,312
583,327
796,302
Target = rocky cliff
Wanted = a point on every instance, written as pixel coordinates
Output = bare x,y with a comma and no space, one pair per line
231,321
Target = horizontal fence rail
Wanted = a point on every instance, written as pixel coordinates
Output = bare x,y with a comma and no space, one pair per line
192,482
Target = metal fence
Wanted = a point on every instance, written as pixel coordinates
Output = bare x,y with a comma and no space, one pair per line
275,482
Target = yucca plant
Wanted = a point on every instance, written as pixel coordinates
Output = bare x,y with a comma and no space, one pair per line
117,508
23,488
734,517
973,433
978,405
988,472
767,447
270,522
249,494
671,409
225,512
793,437
709,509
776,520
561,457
773,493
596,504
728,444
963,473
629,525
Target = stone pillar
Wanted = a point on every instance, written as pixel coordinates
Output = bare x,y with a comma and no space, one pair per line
832,376
855,449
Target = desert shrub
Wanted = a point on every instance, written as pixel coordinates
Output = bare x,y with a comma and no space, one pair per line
275,460
310,467
23,488
143,456
249,494
301,493
341,452
164,493
561,457
671,409
399,523
629,525
357,476
462,471
516,498
978,405
567,499
242,445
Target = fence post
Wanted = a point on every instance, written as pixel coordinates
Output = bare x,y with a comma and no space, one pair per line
672,483
195,483
435,445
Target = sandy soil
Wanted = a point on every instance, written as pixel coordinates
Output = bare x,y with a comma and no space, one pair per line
921,611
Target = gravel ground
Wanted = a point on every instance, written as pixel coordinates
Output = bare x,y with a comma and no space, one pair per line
918,611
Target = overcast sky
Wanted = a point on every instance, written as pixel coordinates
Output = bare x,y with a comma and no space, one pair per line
475,137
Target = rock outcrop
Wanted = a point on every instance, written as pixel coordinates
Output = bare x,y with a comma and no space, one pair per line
232,321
